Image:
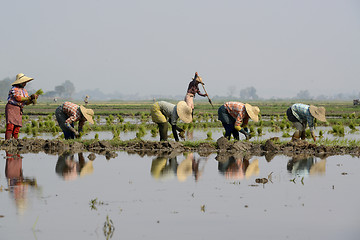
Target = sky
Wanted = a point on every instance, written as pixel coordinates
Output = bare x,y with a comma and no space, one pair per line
144,47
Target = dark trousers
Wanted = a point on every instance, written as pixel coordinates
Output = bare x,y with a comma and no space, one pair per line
61,118
230,129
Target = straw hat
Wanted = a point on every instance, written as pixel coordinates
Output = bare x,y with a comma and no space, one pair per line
252,169
21,78
198,78
184,112
184,170
253,112
87,113
318,113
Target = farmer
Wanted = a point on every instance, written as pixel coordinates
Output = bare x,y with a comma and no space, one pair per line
194,89
68,113
162,111
235,117
18,97
301,114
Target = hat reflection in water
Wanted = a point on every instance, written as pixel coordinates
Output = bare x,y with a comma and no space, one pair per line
238,167
185,169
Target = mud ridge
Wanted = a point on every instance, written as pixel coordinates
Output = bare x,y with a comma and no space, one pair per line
268,149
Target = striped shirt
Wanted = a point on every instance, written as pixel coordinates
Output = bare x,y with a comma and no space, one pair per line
73,112
194,88
15,95
302,113
238,111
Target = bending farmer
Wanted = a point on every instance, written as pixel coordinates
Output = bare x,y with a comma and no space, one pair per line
68,113
301,115
235,117
17,98
193,89
162,111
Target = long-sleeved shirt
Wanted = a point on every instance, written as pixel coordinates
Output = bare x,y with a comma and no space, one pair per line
72,110
238,111
302,113
193,88
15,95
169,111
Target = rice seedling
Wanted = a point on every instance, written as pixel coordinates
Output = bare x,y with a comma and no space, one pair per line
209,135
260,131
352,126
116,132
141,132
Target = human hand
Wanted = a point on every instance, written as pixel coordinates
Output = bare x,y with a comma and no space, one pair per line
313,136
247,135
182,135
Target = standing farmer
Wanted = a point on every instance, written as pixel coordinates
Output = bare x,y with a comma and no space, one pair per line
162,111
234,116
193,89
68,113
18,97
301,114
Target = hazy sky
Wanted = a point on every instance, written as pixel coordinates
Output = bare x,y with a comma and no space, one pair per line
155,46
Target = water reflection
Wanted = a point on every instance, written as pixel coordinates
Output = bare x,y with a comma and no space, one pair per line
68,168
303,165
237,166
165,167
18,184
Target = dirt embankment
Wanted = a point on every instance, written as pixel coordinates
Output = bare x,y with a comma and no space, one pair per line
269,149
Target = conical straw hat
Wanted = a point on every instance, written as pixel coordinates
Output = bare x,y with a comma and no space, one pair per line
318,113
21,78
253,112
184,112
87,113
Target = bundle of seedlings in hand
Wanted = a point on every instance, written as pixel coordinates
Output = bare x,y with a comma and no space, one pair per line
38,92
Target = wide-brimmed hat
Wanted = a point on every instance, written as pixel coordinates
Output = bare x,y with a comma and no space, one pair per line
184,112
21,78
184,170
252,169
318,113
87,113
253,112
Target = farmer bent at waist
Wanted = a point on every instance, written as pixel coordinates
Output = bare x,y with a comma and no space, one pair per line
68,113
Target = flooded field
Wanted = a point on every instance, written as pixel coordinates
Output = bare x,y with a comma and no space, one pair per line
86,196
201,134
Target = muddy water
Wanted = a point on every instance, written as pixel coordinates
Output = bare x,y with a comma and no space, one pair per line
177,197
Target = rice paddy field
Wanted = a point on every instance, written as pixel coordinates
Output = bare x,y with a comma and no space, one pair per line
85,195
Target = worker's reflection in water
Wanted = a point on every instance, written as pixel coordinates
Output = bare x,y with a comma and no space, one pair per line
237,166
18,184
165,167
304,165
68,168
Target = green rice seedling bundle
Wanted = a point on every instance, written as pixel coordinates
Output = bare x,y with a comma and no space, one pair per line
209,135
34,124
153,131
352,126
38,92
260,131
34,132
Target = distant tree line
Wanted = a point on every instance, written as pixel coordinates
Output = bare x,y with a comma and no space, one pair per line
64,90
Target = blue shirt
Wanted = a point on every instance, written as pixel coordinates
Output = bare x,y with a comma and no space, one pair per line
302,113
